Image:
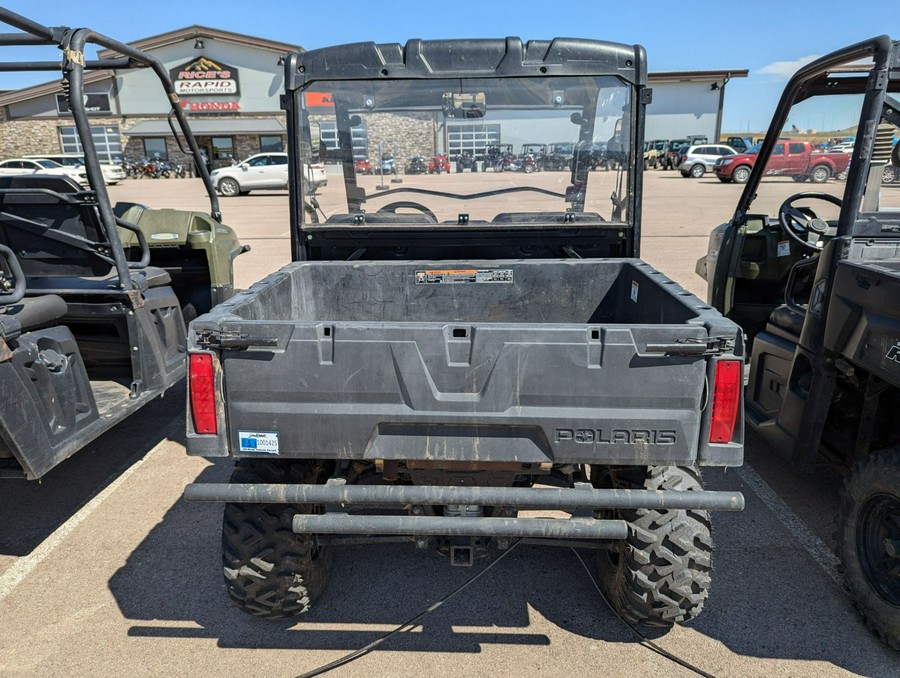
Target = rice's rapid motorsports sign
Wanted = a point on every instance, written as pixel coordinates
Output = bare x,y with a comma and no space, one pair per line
204,77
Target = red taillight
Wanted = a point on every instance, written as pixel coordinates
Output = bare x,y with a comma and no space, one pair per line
203,393
726,400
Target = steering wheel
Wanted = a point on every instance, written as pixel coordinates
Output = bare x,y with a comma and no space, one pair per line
394,206
804,229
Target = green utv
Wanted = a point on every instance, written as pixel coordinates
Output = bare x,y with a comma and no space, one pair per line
93,298
813,279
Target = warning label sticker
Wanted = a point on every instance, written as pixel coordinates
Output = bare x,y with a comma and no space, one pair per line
463,275
258,442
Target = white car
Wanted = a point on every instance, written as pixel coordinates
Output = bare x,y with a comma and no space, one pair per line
700,159
30,166
112,172
262,171
846,147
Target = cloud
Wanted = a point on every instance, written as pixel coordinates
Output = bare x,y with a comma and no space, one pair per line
785,69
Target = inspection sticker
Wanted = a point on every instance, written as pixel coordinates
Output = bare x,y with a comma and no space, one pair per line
635,288
784,248
258,442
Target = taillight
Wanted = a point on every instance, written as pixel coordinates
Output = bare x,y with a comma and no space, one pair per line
202,383
726,399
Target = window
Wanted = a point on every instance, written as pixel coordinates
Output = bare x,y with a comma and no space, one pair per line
156,148
274,144
278,160
106,141
778,150
13,164
259,161
472,138
796,149
360,134
223,148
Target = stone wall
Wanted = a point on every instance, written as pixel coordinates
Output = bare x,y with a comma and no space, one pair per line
412,133
28,136
33,135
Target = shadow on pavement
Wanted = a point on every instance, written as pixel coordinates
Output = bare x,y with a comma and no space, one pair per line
769,599
32,509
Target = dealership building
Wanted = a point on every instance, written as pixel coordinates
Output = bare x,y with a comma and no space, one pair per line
229,86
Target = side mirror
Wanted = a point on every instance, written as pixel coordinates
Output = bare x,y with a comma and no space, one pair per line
244,166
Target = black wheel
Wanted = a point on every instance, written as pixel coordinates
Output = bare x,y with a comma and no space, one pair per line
698,171
229,187
269,571
660,574
819,174
528,169
868,539
889,174
741,174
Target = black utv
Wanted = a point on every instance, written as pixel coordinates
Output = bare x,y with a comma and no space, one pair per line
813,278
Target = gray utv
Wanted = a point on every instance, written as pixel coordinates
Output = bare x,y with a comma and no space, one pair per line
442,355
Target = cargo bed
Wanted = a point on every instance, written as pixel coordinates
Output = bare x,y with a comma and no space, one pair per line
561,361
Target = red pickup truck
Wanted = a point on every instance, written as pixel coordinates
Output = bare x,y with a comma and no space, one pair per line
796,159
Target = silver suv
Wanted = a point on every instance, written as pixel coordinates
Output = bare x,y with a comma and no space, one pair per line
700,159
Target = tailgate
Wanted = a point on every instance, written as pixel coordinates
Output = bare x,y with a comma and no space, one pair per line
465,392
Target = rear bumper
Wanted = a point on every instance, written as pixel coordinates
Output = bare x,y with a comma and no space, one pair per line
515,497
339,498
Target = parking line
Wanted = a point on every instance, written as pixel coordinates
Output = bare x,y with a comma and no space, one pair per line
815,547
14,576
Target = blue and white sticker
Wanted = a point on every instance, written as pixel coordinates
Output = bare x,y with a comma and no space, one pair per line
258,442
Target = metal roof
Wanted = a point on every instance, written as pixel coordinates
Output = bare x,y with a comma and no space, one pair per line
207,126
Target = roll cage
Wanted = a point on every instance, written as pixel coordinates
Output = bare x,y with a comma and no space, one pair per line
72,42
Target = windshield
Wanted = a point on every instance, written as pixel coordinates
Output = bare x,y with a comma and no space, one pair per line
754,149
479,125
48,163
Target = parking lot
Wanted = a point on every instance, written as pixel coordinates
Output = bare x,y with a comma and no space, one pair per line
105,570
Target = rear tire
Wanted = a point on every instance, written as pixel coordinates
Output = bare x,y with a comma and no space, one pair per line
868,528
697,171
269,571
660,574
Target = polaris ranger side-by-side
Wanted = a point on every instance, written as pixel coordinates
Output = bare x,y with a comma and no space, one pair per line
813,279
442,355
92,296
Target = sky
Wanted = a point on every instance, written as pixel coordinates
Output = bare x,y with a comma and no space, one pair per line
771,39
